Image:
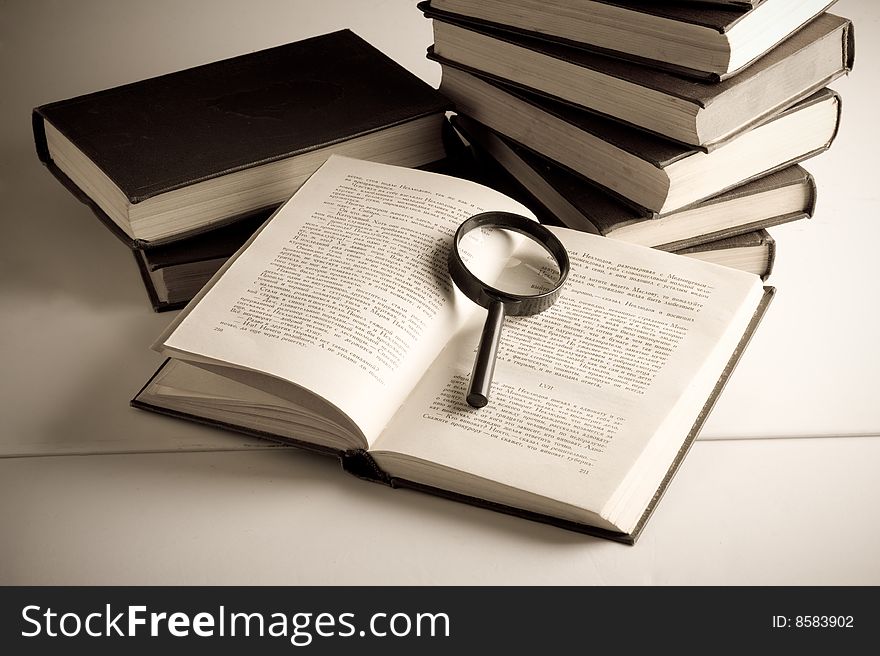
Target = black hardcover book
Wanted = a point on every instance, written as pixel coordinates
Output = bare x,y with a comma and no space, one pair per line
174,272
170,156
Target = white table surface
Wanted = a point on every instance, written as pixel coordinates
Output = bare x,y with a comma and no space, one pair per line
92,491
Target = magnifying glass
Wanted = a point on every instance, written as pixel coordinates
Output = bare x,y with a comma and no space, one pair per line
527,283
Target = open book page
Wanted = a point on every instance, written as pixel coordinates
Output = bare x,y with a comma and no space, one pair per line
345,291
631,351
198,391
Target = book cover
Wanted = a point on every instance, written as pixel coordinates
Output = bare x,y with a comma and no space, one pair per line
209,249
165,133
173,272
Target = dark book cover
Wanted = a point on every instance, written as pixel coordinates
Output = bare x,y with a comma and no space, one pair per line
218,244
221,242
168,132
718,18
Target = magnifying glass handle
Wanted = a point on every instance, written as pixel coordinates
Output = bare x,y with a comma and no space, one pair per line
484,364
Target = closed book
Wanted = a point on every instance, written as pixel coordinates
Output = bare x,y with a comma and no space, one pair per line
167,157
681,109
657,174
709,43
174,272
551,190
754,252
341,332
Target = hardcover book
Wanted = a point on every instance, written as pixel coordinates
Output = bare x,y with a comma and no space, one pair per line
781,197
681,109
337,328
754,252
651,172
709,43
173,273
171,156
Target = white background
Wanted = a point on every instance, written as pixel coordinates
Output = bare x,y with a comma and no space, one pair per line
162,501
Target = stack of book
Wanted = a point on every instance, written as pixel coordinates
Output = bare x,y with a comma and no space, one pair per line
677,125
185,167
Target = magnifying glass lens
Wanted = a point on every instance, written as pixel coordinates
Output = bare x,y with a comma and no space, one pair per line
510,265
509,261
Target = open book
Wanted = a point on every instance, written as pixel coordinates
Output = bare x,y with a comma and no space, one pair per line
337,328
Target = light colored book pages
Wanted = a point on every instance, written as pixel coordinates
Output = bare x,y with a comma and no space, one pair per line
707,43
677,108
647,171
341,243
559,196
593,398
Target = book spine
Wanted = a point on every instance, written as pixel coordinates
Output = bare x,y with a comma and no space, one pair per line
837,124
850,47
39,128
358,462
771,255
814,192
148,282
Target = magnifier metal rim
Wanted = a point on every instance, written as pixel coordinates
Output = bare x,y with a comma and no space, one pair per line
482,293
